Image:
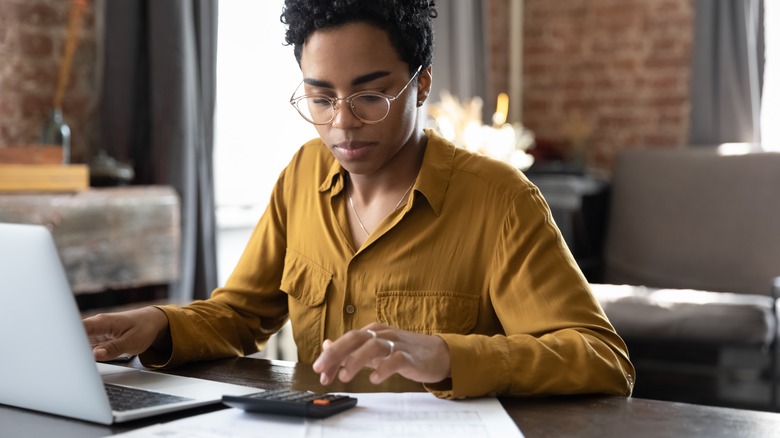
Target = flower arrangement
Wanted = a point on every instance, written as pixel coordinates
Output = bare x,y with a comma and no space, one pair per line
74,25
462,124
55,130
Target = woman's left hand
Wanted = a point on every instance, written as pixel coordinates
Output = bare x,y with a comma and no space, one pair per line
421,358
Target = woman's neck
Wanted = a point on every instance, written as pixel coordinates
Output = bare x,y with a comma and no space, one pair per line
393,178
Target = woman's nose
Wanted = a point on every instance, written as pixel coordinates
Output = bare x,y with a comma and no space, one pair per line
343,117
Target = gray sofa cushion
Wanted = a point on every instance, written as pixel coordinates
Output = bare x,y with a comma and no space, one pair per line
685,315
693,219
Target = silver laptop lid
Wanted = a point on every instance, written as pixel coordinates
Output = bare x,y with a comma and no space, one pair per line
47,361
48,364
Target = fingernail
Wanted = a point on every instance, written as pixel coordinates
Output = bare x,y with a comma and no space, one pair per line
323,379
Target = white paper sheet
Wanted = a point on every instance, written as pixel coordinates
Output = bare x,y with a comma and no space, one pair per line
384,415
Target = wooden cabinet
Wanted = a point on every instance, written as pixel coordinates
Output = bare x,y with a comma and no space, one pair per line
108,238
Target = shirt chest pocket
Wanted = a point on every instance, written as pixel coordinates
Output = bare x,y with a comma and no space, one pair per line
306,285
428,312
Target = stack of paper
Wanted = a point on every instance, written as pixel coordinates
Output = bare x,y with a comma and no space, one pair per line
376,415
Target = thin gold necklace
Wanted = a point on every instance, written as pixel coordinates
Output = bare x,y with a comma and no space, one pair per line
360,222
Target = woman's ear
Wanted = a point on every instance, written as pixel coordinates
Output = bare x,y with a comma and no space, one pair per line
424,85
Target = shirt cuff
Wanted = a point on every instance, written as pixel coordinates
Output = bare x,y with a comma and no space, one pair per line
474,372
159,359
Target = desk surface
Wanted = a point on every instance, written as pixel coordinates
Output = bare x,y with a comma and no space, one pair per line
582,416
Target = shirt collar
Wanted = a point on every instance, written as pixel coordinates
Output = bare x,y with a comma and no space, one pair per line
432,181
334,180
436,171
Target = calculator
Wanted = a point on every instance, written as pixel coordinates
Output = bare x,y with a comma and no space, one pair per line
292,402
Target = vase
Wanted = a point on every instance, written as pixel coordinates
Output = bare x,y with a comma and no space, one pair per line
57,132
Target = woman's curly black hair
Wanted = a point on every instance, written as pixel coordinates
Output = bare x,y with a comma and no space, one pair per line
407,22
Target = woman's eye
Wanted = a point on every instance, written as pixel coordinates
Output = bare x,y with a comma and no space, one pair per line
369,98
322,101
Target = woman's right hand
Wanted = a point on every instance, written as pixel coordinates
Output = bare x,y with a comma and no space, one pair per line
131,332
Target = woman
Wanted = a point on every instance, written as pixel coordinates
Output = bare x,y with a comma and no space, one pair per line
388,247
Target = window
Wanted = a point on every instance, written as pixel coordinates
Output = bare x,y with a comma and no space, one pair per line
770,99
256,130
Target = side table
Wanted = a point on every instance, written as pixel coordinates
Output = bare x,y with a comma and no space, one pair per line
579,205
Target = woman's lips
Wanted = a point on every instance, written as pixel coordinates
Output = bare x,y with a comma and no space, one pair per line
352,149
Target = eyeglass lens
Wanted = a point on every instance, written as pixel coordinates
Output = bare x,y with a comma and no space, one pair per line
368,107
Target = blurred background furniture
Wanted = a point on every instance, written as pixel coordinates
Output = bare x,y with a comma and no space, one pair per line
118,245
578,203
692,258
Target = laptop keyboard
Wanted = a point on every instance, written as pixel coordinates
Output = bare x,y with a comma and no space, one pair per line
123,398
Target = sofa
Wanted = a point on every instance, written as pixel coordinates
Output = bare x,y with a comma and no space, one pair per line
691,267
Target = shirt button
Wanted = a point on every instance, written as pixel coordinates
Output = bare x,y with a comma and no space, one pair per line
350,309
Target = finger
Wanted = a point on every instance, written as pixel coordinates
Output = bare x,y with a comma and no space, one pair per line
395,363
325,378
94,325
340,353
333,357
330,360
107,350
377,327
370,355
345,357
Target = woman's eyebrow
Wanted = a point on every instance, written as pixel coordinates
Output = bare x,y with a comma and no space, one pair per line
357,81
369,77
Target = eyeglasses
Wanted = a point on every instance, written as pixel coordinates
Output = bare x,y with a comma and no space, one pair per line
368,106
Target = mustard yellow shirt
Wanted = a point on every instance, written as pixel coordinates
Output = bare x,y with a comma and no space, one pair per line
473,257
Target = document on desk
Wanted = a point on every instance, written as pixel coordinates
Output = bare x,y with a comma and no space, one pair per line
382,415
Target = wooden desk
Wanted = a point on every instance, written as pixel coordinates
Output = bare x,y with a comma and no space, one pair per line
581,416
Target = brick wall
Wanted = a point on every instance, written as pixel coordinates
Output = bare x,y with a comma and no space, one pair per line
32,40
611,74
602,75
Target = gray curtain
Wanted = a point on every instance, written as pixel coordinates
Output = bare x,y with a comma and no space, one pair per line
157,112
459,61
727,72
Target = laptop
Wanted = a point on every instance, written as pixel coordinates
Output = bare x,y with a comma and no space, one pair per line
47,363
